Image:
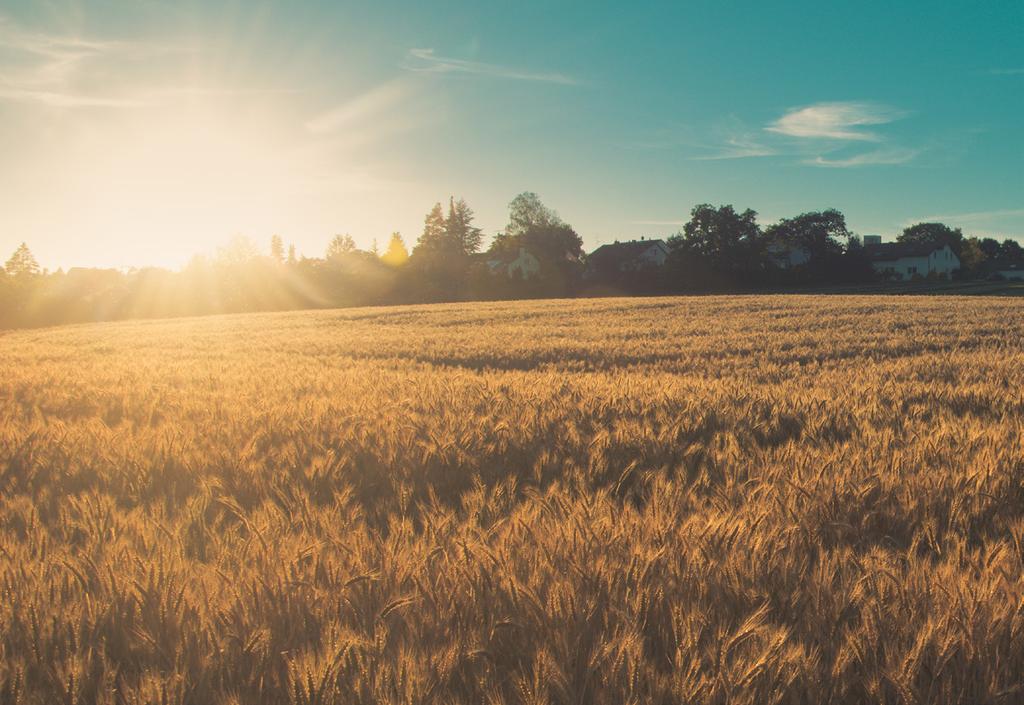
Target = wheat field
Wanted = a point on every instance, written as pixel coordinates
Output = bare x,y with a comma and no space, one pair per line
693,500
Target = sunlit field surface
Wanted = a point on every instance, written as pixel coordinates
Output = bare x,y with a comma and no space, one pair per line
703,500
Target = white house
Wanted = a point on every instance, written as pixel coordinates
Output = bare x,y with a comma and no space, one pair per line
628,256
906,260
523,265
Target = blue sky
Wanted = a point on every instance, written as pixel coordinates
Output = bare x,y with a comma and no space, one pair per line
142,132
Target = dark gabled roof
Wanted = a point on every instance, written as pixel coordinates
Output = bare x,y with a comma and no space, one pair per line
889,251
623,251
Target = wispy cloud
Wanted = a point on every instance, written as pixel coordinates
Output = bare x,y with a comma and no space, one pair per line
60,70
743,147
970,218
45,68
426,61
835,121
873,158
821,129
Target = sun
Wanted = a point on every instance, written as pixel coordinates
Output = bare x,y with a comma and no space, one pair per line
157,186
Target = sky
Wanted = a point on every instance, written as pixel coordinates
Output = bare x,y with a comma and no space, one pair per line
142,132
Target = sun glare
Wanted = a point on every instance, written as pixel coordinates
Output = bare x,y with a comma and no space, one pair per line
179,181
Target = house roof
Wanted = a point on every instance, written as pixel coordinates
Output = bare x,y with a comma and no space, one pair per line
623,251
889,251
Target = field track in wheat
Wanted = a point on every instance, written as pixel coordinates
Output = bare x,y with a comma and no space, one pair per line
693,500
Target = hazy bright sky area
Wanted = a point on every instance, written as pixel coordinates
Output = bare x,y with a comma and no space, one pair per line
142,132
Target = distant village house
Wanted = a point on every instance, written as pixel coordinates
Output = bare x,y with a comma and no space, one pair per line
621,257
903,261
521,264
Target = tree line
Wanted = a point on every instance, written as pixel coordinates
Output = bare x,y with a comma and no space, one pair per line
718,249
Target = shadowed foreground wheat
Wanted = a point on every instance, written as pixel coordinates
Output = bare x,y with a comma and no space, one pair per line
708,500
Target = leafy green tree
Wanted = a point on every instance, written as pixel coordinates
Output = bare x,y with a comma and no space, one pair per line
971,255
527,212
718,247
1011,249
821,234
541,232
22,263
934,234
989,247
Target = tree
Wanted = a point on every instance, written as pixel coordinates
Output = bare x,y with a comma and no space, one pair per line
22,263
433,237
291,254
339,246
238,250
822,234
971,254
459,228
396,254
454,235
541,232
718,246
277,248
989,247
1011,249
526,212
934,234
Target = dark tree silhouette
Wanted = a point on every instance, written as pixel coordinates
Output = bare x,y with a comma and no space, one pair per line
934,234
526,212
989,247
1011,249
459,229
440,262
822,234
539,230
718,247
433,237
971,255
